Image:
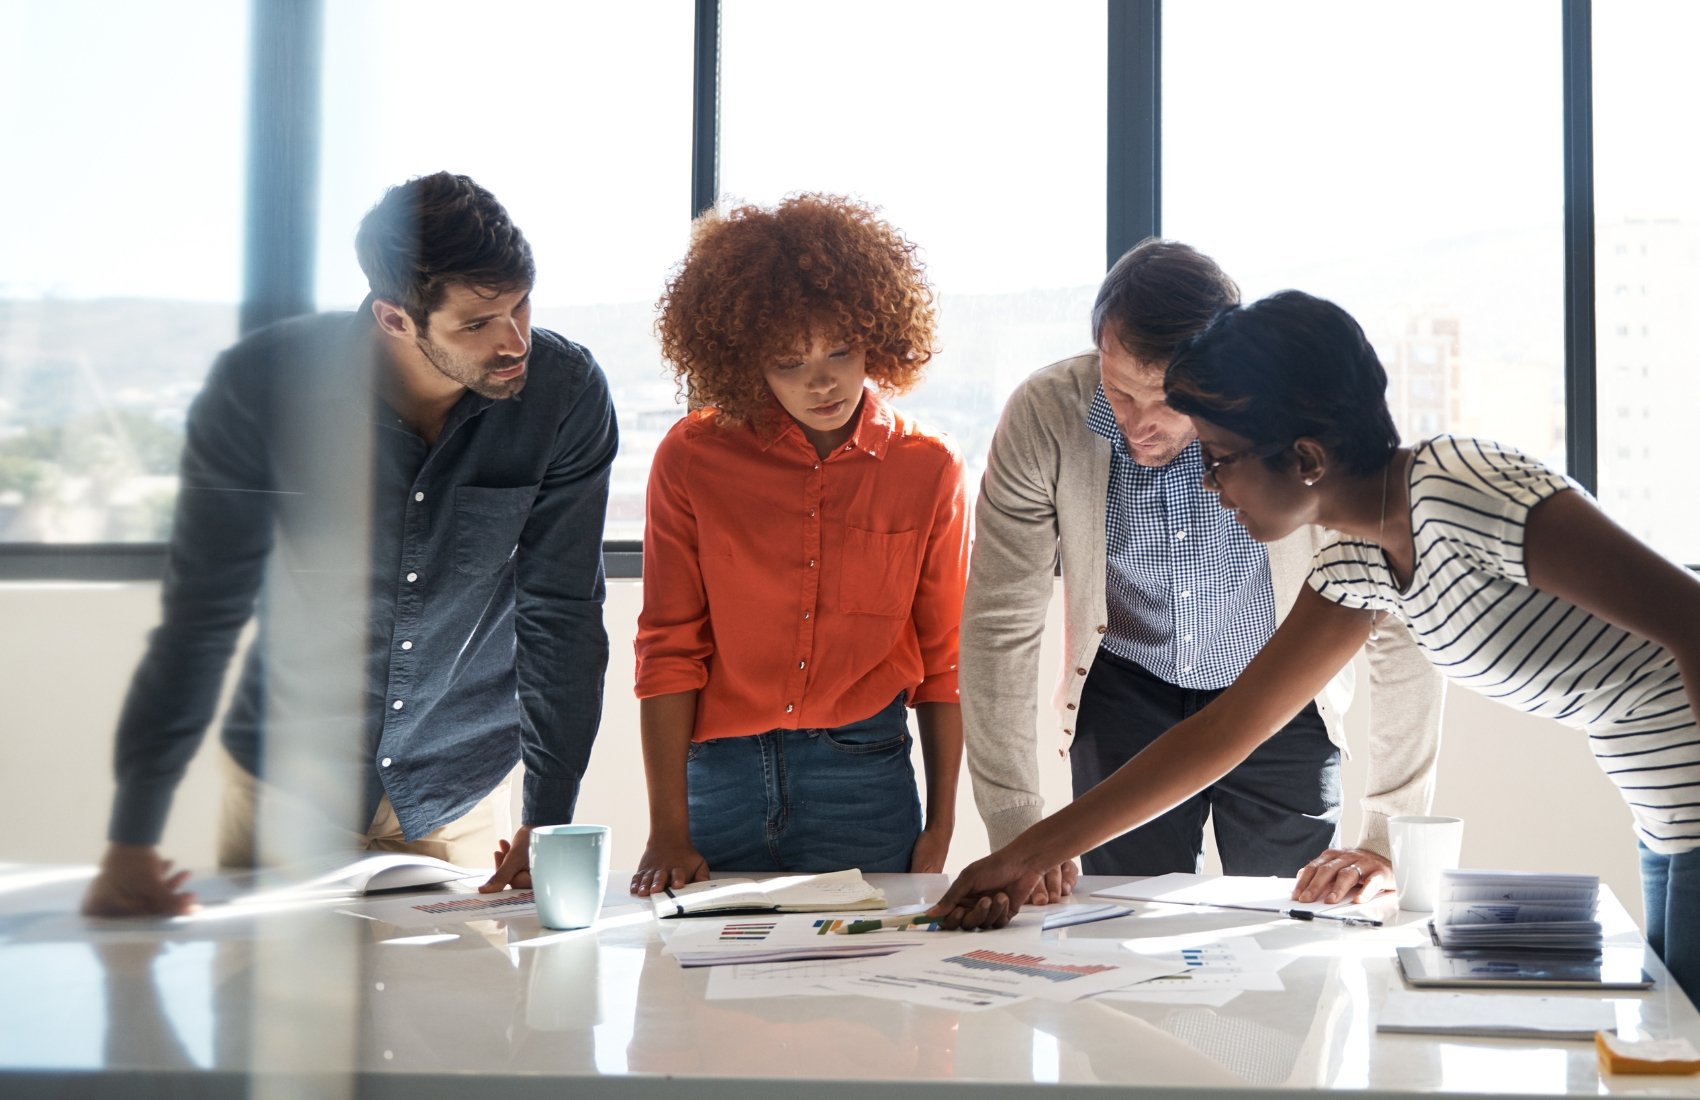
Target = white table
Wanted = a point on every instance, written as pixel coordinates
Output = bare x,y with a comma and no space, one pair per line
311,1001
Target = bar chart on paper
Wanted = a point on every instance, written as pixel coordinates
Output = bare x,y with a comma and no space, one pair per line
1030,966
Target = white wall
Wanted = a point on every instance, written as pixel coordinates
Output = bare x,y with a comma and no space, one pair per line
1530,794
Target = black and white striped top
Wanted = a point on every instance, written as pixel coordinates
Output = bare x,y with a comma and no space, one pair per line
1476,618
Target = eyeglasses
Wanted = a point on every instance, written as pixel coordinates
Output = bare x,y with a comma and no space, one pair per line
1212,467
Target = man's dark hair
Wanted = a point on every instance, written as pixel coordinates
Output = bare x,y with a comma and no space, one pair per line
1288,367
1157,295
437,230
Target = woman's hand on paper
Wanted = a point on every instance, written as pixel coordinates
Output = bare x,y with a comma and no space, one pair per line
988,893
1344,874
667,863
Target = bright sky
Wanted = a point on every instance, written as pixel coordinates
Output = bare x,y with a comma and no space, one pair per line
981,137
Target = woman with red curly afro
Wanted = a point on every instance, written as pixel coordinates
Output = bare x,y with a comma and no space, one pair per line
805,549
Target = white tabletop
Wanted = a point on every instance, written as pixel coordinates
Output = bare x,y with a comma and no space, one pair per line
318,998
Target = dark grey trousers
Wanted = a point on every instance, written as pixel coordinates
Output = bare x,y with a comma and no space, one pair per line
1276,810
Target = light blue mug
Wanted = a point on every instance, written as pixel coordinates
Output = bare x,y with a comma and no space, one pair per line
569,873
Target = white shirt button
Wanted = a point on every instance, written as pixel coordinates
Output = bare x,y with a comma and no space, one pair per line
385,762
811,563
1186,668
811,511
1179,535
411,577
1186,637
407,645
806,616
418,496
802,664
789,707
1186,593
397,705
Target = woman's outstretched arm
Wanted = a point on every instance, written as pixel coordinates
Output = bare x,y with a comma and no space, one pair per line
1313,643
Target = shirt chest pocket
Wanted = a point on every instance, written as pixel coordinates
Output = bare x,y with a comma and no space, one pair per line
879,571
487,525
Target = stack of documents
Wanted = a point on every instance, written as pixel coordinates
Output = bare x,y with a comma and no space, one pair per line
1517,910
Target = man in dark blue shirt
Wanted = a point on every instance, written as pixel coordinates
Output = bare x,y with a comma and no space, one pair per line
467,627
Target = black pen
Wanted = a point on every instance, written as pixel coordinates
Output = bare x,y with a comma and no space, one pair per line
1299,914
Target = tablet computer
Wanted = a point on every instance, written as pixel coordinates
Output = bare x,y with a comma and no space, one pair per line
1433,968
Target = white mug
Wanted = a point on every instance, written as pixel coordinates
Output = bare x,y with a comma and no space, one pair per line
1422,848
569,873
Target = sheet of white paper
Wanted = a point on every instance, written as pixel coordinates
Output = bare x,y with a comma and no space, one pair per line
741,981
439,908
773,937
1510,1014
1235,963
1225,890
985,971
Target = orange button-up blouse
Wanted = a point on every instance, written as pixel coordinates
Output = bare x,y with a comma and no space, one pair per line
796,592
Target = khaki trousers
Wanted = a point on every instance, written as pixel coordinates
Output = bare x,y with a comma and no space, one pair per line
469,841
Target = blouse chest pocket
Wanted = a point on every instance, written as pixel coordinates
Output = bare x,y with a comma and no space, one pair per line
878,574
487,525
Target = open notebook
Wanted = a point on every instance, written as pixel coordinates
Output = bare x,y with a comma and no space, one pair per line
833,892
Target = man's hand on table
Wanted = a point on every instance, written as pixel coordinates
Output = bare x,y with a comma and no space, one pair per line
513,863
134,882
1341,874
1055,884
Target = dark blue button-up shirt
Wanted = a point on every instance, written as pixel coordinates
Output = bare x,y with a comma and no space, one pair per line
481,613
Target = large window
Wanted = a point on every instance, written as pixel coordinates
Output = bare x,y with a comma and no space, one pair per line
120,257
981,138
1403,160
577,117
1647,265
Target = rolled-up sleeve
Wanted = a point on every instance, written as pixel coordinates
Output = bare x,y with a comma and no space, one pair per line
937,610
674,640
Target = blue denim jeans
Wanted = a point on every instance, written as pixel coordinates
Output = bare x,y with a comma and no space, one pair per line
1670,890
807,800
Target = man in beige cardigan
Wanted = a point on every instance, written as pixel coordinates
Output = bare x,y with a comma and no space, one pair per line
1091,470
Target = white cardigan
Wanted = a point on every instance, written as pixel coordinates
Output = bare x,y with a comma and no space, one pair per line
1042,499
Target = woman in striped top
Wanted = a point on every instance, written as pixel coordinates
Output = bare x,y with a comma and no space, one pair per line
1493,560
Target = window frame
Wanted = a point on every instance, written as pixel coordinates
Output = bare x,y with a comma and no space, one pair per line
284,141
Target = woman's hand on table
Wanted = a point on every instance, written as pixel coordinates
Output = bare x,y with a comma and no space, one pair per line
1344,874
667,863
930,849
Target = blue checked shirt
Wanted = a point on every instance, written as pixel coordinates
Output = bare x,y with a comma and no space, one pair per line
1188,590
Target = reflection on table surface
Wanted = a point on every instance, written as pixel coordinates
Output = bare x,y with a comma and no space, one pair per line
318,987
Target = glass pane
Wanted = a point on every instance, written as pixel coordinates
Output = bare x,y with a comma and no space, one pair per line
1647,264
577,117
978,129
123,127
1404,160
